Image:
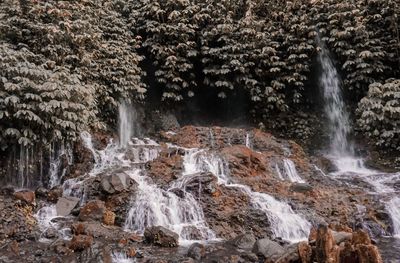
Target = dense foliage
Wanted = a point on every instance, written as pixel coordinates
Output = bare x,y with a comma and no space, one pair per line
100,51
380,114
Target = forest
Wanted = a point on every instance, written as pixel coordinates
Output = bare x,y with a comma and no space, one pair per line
66,64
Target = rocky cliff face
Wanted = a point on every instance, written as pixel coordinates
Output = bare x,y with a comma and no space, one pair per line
232,176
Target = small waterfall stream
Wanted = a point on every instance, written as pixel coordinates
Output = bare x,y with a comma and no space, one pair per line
285,223
341,150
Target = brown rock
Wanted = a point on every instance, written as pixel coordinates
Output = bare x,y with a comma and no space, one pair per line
14,247
347,254
326,249
161,236
360,237
94,210
54,194
26,196
80,242
305,252
131,252
109,218
368,254
313,234
78,229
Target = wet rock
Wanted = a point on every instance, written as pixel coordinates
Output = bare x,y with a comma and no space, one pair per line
109,218
161,236
360,237
340,237
78,229
116,183
106,186
268,249
26,196
41,192
50,233
326,249
291,254
368,254
196,251
80,242
94,210
301,187
245,241
54,194
305,252
65,205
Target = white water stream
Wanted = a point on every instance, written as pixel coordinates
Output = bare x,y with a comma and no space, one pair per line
342,150
285,223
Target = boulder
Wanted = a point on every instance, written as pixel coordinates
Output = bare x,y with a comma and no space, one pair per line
326,249
245,241
161,236
268,249
65,205
341,236
54,194
116,183
78,229
109,218
196,251
301,187
106,186
360,237
41,192
80,242
26,196
305,251
94,210
291,254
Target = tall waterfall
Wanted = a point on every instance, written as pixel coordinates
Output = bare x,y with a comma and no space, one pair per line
125,123
341,150
338,118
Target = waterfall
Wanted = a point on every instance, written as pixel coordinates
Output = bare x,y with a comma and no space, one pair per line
128,123
393,207
291,172
125,123
248,141
57,169
285,223
181,213
120,257
338,119
341,150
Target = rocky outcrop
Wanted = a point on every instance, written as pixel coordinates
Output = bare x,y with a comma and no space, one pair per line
268,249
93,210
351,247
28,197
65,205
81,242
161,236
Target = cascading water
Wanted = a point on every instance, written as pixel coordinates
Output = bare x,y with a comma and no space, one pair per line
342,152
341,149
393,207
57,170
285,223
180,213
125,122
291,172
339,125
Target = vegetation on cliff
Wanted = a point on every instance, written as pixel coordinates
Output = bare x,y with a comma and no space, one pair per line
65,64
